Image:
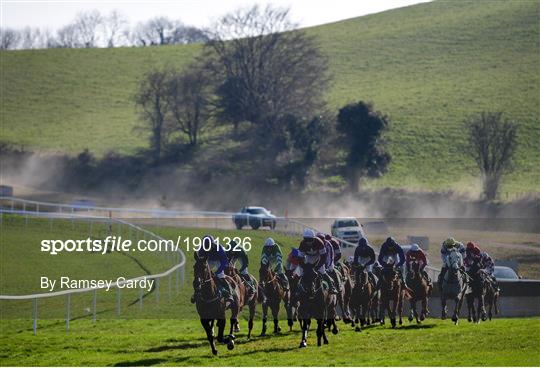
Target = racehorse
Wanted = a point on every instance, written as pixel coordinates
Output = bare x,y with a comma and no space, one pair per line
313,298
346,292
210,306
454,285
478,285
248,296
391,295
274,294
362,296
291,304
492,300
421,291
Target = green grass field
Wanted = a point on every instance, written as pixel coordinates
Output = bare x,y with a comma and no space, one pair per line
180,342
427,66
166,331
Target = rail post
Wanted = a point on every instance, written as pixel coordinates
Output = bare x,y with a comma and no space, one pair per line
170,282
68,310
157,291
118,300
141,294
35,316
94,306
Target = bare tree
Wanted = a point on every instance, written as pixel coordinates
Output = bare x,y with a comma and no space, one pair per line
67,36
492,143
151,98
189,104
87,26
113,28
9,38
268,70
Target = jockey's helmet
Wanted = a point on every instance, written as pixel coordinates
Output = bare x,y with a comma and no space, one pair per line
309,234
415,247
450,243
269,242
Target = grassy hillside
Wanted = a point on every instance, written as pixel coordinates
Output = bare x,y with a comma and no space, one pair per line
427,66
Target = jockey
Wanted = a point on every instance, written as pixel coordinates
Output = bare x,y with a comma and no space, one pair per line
238,254
218,261
446,248
485,263
314,251
415,254
293,261
364,255
271,255
390,249
336,247
329,264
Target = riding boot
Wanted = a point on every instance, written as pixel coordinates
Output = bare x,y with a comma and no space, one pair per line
441,278
335,278
331,287
224,290
283,281
373,279
428,279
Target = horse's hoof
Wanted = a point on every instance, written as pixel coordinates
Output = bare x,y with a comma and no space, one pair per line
237,329
410,318
335,331
230,345
232,337
400,322
263,334
303,344
325,342
358,329
214,352
220,340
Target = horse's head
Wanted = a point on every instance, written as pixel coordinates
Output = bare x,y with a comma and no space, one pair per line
265,274
389,277
201,272
309,279
361,275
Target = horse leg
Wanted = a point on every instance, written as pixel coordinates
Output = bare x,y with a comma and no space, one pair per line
304,324
456,310
221,329
444,310
424,312
400,309
264,316
289,310
392,311
320,329
412,311
482,306
275,314
207,325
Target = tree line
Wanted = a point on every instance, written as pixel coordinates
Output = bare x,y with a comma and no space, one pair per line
258,70
93,29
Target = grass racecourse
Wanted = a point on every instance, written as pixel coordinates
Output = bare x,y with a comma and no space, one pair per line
502,342
167,332
427,66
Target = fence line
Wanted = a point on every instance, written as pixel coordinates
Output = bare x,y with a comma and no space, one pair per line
178,268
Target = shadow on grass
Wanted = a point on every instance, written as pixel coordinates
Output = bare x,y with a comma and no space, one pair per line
203,342
140,363
417,326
